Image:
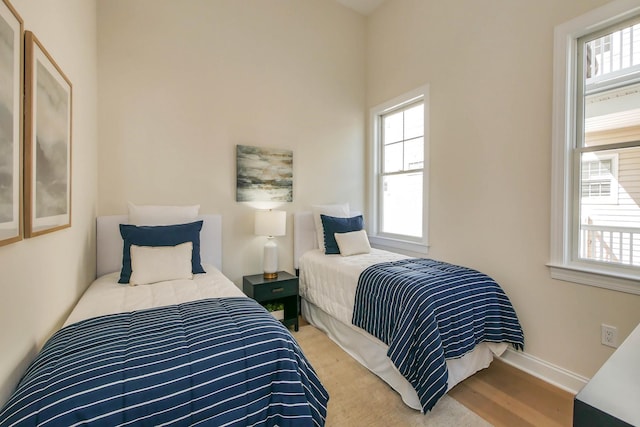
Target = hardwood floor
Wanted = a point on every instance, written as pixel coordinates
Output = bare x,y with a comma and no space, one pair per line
506,396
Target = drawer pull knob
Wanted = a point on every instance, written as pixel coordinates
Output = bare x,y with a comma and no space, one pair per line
276,290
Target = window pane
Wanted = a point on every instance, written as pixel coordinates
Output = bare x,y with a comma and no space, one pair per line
402,204
612,54
414,154
609,179
392,128
414,122
610,206
393,157
612,116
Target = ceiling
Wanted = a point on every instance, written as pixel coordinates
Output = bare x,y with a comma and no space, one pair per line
364,7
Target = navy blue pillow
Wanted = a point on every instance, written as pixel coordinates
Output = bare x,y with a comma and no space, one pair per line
159,235
333,225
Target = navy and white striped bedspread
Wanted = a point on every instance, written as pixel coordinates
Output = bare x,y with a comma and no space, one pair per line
214,362
427,311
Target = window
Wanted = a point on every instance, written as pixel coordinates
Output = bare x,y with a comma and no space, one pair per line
595,232
398,165
599,178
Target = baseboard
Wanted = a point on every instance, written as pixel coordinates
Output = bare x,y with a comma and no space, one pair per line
546,371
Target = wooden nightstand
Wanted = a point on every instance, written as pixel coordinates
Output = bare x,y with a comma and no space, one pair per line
284,288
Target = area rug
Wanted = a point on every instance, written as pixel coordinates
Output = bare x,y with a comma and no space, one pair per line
360,398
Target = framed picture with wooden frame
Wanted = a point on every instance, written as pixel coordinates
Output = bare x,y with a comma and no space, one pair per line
11,81
47,141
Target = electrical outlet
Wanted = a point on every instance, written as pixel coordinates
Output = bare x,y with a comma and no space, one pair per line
609,335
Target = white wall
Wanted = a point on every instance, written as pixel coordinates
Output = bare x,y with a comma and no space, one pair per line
42,277
489,66
182,83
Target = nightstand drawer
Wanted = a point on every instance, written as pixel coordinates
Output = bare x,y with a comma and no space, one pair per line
269,291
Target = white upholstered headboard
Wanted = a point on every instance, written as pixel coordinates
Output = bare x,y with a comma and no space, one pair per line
109,242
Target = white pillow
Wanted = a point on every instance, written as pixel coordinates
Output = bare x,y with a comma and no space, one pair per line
337,211
162,215
151,264
353,243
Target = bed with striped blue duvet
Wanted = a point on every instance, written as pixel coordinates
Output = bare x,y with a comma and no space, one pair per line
212,362
428,311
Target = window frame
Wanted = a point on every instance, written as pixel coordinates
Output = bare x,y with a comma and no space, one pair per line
409,244
563,265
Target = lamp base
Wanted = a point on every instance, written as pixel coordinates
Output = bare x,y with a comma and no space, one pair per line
270,261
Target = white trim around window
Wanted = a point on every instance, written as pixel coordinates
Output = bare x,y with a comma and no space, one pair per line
418,246
561,264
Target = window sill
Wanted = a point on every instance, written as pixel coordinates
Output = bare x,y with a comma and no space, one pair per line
595,277
402,246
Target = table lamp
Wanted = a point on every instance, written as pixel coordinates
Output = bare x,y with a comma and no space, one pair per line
271,224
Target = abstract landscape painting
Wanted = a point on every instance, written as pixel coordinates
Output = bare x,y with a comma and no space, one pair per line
10,124
264,174
47,142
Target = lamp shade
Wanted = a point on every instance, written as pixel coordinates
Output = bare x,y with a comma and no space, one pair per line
270,223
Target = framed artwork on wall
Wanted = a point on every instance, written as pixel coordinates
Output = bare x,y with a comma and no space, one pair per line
47,142
264,174
11,44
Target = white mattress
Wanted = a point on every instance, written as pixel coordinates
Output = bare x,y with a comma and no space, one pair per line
330,281
106,296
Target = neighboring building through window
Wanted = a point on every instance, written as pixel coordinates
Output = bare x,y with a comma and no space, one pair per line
599,178
398,172
596,166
